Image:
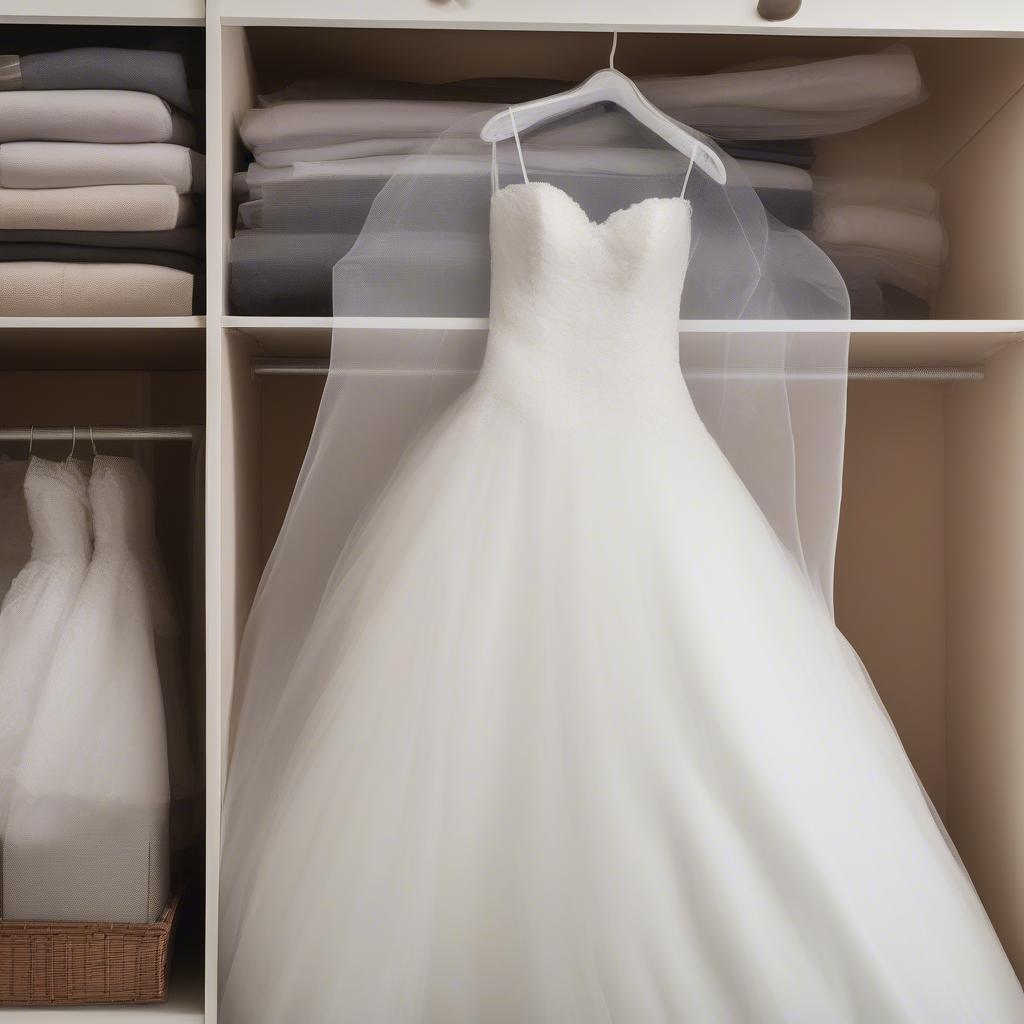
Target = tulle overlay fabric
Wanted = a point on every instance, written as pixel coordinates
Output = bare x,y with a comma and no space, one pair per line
572,737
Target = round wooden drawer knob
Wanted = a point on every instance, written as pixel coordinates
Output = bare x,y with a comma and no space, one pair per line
777,10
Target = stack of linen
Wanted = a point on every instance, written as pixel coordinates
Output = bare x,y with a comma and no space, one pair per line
323,150
98,183
887,240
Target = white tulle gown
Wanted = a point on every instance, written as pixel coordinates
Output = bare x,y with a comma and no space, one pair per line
87,833
586,746
40,598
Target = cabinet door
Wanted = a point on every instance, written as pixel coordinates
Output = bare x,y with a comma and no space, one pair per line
817,17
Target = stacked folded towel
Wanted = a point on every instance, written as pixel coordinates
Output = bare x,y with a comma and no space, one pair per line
887,240
99,179
323,150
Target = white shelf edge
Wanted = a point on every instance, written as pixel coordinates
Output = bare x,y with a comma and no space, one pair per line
923,327
105,12
72,323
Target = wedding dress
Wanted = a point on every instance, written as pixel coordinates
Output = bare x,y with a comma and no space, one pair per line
87,835
580,742
39,602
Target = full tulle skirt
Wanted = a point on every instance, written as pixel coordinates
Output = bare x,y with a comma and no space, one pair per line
572,740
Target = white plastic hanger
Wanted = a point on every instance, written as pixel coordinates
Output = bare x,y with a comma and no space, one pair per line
605,86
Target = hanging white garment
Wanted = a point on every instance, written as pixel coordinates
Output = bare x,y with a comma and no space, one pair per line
38,603
15,531
87,833
571,738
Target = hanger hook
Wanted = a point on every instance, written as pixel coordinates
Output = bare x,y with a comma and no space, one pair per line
611,56
31,438
74,441
92,438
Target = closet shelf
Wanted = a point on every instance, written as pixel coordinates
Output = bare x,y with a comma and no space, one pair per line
873,342
70,323
103,12
874,17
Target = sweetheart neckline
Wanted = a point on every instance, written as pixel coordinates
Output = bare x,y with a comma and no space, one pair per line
583,213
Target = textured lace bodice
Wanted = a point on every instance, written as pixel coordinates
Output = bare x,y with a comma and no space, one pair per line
599,300
122,508
58,509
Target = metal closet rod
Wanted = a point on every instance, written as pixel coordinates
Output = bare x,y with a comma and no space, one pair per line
101,433
934,374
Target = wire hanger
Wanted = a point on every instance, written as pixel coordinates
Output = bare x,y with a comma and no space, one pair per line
606,86
92,439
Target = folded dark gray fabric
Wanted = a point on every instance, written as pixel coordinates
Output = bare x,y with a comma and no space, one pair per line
101,67
183,240
24,252
794,152
284,275
793,207
341,205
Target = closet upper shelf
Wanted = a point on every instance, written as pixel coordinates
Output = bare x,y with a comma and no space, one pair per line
105,12
873,342
818,17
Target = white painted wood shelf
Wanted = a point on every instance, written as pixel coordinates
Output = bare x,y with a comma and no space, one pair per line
818,17
104,12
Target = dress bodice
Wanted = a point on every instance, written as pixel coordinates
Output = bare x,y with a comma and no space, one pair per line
57,500
600,300
121,504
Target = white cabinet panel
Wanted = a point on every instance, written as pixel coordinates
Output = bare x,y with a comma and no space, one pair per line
821,17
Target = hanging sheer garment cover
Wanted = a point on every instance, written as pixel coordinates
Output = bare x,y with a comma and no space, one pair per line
773,400
15,531
87,834
38,604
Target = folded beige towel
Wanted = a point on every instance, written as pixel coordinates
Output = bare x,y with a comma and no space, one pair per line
73,164
95,208
93,289
91,115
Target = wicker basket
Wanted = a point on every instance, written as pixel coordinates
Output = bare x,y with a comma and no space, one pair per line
53,963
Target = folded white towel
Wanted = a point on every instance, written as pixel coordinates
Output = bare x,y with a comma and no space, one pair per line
893,193
95,208
46,165
913,236
93,289
91,115
804,100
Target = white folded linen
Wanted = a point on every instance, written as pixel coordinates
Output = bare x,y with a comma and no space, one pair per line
583,160
95,208
91,115
916,237
792,101
893,193
798,101
44,165
93,289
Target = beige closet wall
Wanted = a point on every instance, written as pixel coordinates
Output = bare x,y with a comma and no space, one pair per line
890,590
985,642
